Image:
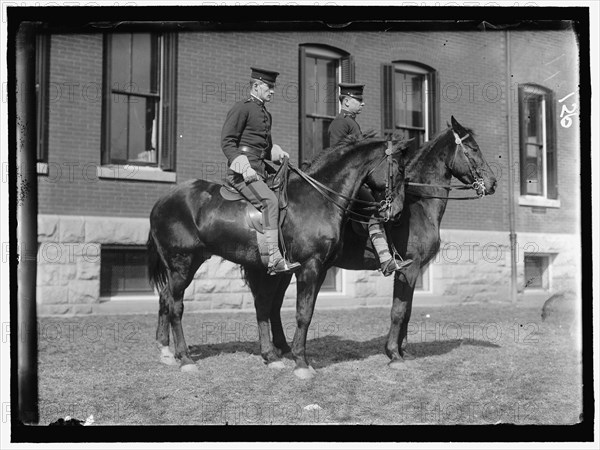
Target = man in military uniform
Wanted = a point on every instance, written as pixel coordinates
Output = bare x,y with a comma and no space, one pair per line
344,125
246,141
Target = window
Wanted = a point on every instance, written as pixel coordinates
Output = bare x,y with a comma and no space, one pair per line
42,81
408,101
537,142
536,272
124,272
423,283
139,104
321,70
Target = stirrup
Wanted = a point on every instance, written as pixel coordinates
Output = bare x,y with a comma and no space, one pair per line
282,266
393,265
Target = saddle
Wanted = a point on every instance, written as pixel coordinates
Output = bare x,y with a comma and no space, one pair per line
277,181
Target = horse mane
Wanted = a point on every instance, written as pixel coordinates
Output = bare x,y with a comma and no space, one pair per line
367,139
414,154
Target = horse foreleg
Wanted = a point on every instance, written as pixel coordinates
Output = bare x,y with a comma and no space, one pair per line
279,339
162,331
309,279
400,315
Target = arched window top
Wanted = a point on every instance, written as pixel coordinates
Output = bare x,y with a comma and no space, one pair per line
533,88
324,51
412,66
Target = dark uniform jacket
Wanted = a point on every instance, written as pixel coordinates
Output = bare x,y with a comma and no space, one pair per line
342,126
248,124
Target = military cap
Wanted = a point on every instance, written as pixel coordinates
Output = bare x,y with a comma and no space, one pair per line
353,90
267,76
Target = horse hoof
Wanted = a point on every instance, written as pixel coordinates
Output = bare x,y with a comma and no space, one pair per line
312,370
277,365
408,356
166,357
189,368
304,374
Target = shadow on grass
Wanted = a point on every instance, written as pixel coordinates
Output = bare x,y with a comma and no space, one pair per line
329,350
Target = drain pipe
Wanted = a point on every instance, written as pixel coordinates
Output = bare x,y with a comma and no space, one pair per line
511,186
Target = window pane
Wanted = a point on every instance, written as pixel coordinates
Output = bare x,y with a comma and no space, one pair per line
121,61
330,283
124,271
145,63
535,268
409,100
118,127
310,88
142,129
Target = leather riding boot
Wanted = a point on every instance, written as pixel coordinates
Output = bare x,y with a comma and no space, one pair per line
389,264
277,263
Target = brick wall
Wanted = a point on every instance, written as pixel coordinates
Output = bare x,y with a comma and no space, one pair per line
213,73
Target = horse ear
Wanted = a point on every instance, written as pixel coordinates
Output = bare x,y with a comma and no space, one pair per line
455,123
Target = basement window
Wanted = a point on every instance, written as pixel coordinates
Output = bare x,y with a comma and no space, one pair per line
536,272
124,272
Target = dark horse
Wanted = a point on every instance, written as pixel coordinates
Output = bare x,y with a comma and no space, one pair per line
416,236
193,221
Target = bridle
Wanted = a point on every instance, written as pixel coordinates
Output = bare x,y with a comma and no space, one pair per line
384,206
478,185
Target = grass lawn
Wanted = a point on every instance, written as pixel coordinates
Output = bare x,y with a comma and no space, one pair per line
476,364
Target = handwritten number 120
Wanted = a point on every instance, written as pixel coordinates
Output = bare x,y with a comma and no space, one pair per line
566,113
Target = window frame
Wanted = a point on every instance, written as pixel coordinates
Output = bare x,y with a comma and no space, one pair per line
42,81
345,72
164,168
549,196
389,94
151,293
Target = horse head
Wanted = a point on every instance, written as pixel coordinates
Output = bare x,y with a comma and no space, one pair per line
467,163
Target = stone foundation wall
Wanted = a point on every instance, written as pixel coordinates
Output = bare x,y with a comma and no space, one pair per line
470,267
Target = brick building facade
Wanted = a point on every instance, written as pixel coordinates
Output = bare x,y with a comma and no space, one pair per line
93,213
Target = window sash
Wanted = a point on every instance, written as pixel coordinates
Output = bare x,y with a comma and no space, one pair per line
140,97
393,106
42,79
321,70
537,142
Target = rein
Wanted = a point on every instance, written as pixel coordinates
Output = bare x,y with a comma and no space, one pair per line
384,205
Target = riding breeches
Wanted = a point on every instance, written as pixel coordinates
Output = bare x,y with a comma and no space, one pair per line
263,198
365,194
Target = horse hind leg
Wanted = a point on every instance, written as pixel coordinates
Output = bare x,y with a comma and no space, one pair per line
180,274
264,288
163,330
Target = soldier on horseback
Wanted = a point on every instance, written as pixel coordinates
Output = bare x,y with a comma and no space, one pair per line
344,125
246,141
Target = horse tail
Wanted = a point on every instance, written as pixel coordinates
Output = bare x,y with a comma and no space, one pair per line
157,270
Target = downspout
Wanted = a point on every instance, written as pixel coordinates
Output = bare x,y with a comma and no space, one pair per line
511,185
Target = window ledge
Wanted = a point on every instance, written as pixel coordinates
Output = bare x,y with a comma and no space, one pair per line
42,168
133,172
532,200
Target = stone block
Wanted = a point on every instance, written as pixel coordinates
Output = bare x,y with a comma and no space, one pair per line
116,231
48,275
72,229
365,290
83,291
82,309
230,300
229,285
48,228
52,294
88,270
51,310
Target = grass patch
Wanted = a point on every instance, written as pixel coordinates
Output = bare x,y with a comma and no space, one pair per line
475,364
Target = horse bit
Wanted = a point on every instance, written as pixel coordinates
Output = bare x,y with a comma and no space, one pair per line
478,185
